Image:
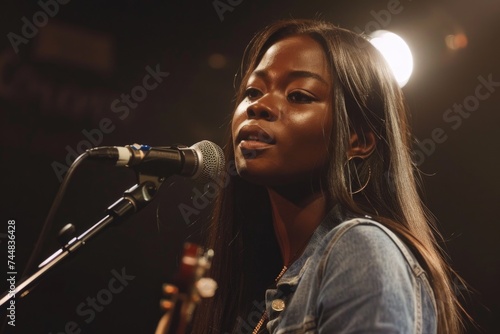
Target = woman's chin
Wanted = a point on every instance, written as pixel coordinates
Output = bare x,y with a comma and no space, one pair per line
263,177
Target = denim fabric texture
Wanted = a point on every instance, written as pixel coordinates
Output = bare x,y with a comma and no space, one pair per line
355,276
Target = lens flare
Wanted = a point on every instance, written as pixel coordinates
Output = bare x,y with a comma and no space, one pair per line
396,52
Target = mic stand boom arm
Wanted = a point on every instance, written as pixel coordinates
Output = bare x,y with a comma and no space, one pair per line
133,200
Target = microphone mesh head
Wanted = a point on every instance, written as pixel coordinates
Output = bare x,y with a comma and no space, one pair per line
211,161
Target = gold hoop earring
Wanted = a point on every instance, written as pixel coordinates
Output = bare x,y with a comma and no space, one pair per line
357,176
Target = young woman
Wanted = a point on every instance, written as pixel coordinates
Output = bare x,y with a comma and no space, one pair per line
322,229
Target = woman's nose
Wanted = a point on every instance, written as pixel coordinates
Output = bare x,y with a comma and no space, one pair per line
263,108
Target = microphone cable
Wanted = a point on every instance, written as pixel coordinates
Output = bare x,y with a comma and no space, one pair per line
49,220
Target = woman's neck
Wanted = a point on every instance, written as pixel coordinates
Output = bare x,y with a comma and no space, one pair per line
295,218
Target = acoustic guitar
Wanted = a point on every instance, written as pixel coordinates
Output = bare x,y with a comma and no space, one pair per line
190,285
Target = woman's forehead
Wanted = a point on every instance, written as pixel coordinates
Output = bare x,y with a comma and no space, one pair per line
297,53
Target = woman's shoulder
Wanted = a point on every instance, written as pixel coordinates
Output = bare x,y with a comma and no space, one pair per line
368,243
360,266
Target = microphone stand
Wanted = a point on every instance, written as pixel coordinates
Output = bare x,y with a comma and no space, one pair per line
133,200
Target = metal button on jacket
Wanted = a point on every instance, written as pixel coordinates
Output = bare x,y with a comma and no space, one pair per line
278,305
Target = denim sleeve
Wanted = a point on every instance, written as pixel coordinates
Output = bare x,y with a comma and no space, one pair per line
366,286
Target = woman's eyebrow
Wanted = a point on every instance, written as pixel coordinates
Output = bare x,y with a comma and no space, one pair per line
264,75
307,74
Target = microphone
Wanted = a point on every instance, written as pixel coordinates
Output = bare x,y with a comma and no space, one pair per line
203,161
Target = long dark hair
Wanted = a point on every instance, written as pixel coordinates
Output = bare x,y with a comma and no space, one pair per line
366,98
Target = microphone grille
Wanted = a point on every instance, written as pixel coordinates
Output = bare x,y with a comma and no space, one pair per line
211,161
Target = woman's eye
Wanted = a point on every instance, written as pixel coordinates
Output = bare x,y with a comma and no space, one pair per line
252,93
299,97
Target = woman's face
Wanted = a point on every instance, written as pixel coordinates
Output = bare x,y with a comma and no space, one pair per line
281,128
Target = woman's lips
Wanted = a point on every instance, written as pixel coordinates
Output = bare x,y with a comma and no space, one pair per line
253,145
254,133
252,138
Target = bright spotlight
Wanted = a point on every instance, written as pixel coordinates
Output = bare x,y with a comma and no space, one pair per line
396,52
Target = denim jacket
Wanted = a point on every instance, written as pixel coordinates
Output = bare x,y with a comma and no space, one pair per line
355,276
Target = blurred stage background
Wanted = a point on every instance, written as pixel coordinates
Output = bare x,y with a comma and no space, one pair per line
65,79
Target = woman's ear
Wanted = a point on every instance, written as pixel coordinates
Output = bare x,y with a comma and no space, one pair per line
363,146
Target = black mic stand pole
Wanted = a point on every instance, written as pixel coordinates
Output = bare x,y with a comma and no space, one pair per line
133,200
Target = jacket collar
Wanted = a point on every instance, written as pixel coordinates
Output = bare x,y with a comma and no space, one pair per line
298,267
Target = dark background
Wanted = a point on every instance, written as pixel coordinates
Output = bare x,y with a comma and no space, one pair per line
65,77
